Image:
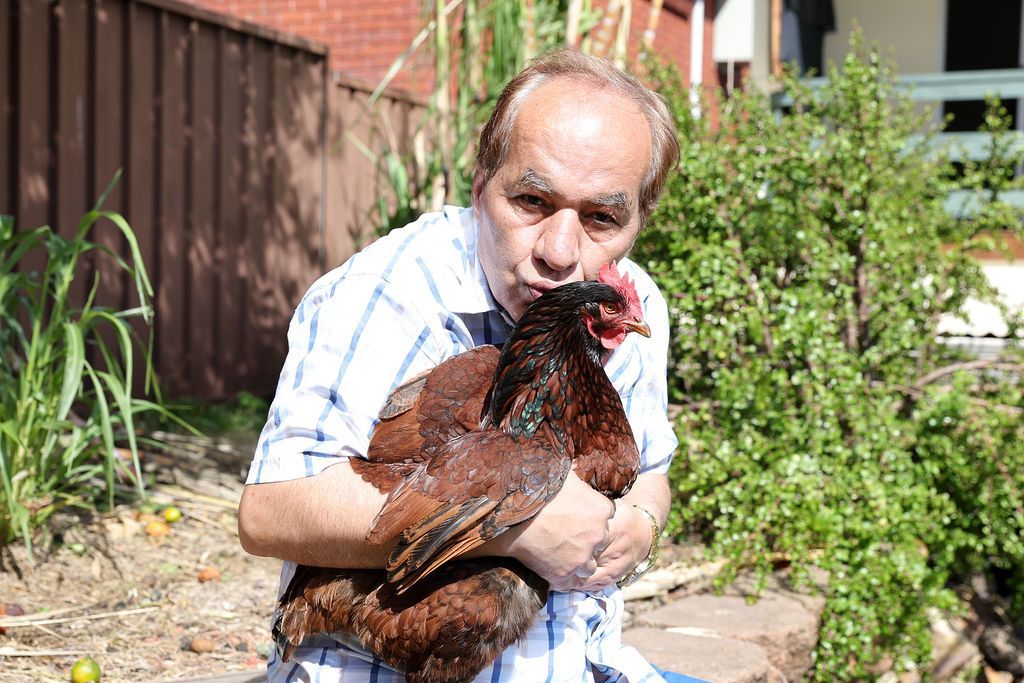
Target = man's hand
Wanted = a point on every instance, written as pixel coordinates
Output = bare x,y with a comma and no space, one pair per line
630,531
560,543
630,541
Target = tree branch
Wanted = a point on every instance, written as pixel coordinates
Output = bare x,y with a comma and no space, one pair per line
980,402
992,363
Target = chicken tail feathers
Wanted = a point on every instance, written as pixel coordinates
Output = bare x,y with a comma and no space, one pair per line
449,531
404,396
285,646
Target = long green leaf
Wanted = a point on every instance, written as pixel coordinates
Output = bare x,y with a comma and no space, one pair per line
18,245
74,362
122,397
108,190
107,432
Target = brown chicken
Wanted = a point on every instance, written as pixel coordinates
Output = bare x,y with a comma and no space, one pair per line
477,445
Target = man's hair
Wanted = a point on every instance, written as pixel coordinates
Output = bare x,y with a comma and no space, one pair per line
599,73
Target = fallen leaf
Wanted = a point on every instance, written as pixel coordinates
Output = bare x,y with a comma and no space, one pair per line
156,528
208,574
12,609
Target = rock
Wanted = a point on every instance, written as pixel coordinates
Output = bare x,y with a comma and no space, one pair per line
780,584
993,676
1003,649
722,660
201,645
960,656
664,579
786,630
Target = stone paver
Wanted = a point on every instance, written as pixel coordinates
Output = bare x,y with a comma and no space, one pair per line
720,660
233,677
783,627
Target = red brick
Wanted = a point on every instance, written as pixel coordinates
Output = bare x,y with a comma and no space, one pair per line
365,36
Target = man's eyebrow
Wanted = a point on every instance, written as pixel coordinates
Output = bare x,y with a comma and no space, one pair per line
615,200
531,180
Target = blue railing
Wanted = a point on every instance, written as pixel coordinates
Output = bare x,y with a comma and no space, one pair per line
1007,84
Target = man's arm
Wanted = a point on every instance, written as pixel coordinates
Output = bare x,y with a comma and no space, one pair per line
322,521
319,521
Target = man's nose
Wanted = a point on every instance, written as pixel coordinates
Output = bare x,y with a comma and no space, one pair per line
559,244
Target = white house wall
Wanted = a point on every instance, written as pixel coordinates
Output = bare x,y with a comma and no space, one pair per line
914,31
733,31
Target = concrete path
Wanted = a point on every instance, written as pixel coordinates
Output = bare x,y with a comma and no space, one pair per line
723,639
730,638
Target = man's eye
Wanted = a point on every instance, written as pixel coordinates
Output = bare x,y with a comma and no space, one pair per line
604,218
531,200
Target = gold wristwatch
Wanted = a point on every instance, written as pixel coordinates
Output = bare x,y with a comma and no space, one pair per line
648,562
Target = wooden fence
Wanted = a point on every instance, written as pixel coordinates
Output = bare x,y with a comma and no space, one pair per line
240,174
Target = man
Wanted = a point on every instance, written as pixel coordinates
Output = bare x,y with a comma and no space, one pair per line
569,167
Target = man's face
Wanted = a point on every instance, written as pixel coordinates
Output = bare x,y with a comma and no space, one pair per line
566,199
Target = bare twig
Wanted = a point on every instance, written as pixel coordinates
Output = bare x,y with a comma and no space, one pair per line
14,652
967,365
16,622
51,613
184,494
756,296
980,402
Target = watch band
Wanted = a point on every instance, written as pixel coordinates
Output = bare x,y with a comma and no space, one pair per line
648,562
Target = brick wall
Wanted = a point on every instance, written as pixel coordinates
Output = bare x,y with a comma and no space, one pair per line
365,36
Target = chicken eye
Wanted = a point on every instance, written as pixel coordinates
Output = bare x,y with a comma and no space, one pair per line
611,308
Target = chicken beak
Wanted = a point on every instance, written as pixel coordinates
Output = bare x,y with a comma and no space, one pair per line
639,326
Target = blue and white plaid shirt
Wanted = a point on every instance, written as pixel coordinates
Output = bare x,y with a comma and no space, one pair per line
404,304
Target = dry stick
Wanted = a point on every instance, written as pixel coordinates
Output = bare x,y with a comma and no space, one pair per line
10,623
179,492
652,25
967,365
51,613
572,22
754,292
47,631
622,34
980,402
11,652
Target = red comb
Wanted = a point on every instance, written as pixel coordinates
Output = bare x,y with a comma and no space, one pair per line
609,275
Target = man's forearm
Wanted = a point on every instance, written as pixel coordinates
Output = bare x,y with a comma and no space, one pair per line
320,520
651,492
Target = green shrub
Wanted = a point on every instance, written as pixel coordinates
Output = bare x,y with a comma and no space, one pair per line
807,259
66,377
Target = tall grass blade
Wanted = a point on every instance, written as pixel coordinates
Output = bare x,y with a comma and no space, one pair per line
106,432
74,362
110,188
400,61
622,34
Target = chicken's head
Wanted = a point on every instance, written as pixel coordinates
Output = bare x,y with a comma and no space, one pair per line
615,316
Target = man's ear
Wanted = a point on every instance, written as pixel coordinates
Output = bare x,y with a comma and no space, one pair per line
478,188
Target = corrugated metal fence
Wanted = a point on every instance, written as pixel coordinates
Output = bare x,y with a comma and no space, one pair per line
240,177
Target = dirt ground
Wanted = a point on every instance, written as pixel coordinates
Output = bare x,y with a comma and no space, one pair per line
105,588
135,602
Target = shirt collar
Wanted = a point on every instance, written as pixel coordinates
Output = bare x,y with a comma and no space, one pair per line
475,294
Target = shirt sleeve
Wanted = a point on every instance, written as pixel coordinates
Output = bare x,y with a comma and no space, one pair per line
350,343
640,377
659,439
